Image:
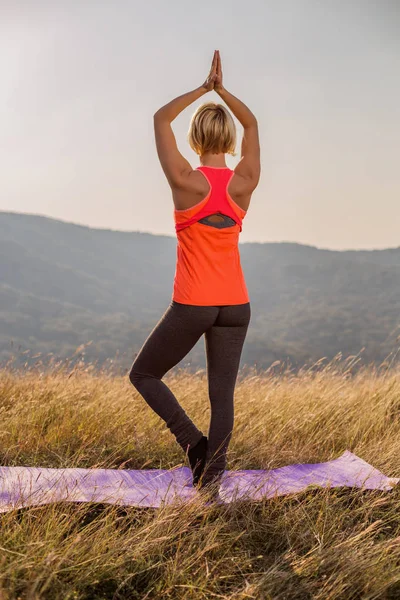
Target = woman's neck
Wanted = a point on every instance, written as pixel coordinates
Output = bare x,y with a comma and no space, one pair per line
213,160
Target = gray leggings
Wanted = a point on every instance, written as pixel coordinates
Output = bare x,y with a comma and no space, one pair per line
178,330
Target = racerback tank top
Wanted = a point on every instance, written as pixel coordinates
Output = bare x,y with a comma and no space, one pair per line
208,268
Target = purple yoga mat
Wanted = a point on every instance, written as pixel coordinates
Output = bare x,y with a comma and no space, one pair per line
29,486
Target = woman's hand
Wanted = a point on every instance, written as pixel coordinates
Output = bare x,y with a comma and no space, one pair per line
214,79
218,87
208,85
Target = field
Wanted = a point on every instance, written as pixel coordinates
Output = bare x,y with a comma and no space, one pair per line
325,544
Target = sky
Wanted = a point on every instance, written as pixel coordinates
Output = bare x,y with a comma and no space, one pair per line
81,80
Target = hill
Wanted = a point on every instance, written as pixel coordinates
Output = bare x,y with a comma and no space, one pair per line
63,285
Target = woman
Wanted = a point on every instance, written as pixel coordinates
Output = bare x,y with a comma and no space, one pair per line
209,292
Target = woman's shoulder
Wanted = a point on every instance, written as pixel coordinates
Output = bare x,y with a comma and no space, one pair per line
194,181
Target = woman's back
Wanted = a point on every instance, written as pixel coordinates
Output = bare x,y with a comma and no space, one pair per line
208,269
195,187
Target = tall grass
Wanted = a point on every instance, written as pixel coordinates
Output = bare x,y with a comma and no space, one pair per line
322,543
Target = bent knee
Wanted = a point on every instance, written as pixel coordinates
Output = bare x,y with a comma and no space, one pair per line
136,378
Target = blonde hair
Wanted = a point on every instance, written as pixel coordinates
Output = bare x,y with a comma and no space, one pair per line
212,129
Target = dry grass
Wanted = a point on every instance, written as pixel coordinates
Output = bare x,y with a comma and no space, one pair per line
321,544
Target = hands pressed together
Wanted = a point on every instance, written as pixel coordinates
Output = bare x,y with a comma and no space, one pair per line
214,78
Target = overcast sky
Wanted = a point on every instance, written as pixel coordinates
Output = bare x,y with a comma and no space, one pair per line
80,81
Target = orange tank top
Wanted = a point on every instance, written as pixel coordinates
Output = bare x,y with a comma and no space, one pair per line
208,269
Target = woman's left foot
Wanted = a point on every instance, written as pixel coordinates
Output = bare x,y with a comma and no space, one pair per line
197,458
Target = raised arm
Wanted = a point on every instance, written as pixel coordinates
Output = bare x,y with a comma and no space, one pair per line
249,167
174,164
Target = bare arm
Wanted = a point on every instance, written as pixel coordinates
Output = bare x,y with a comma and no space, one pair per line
171,110
249,166
239,109
174,164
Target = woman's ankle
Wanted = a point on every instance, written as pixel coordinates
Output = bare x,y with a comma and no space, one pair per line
197,458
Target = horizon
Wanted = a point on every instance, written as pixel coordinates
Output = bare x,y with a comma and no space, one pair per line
172,236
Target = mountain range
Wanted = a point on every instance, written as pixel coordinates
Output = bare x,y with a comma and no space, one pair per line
74,291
